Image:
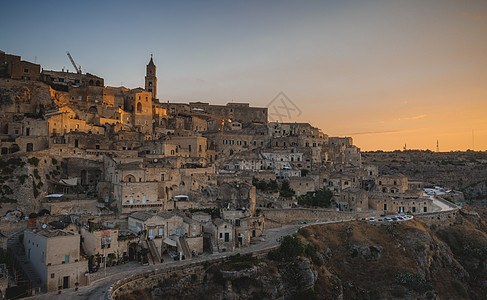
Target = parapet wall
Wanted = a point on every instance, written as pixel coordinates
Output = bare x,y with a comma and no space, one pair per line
278,217
152,278
440,218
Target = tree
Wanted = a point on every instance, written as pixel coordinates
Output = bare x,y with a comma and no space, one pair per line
291,247
286,190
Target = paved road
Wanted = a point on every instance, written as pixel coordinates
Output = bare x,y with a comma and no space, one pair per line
442,206
100,284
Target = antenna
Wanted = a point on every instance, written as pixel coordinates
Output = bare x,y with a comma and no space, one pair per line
473,141
437,146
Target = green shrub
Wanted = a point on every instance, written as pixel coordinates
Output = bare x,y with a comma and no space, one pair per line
36,192
22,178
320,198
54,161
33,161
414,281
44,212
304,232
291,247
36,174
286,190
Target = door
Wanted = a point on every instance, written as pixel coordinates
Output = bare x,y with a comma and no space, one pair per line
65,282
227,237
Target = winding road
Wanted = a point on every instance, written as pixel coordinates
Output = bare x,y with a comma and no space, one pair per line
100,284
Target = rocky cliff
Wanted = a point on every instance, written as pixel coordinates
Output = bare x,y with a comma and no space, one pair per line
354,260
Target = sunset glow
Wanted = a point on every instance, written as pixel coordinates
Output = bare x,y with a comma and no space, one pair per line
387,73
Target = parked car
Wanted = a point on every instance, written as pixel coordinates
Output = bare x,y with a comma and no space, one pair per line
93,268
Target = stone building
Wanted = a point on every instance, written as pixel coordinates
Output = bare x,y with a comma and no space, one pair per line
151,79
139,103
222,233
55,255
404,203
246,227
353,199
396,183
11,66
169,231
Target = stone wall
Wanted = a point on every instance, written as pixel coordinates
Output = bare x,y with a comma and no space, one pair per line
149,279
443,218
278,217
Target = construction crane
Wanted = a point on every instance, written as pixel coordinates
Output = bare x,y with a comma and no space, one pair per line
76,67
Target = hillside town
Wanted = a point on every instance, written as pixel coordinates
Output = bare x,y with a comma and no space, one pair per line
96,176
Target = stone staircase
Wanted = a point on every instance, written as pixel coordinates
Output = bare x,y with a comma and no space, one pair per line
145,244
185,247
156,257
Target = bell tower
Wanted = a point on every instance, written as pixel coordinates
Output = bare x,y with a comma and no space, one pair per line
151,78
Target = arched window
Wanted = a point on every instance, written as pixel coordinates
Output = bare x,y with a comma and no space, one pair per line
139,107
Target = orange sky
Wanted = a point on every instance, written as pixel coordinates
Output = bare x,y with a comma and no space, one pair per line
385,72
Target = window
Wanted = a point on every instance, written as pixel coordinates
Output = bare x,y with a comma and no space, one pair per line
194,233
52,275
97,146
170,232
26,70
161,231
66,258
237,222
194,227
221,235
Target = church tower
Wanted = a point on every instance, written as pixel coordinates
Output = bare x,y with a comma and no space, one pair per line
151,79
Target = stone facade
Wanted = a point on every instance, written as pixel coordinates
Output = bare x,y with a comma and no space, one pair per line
56,258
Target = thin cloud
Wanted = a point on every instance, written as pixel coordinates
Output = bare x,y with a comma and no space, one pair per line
374,132
475,17
415,117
